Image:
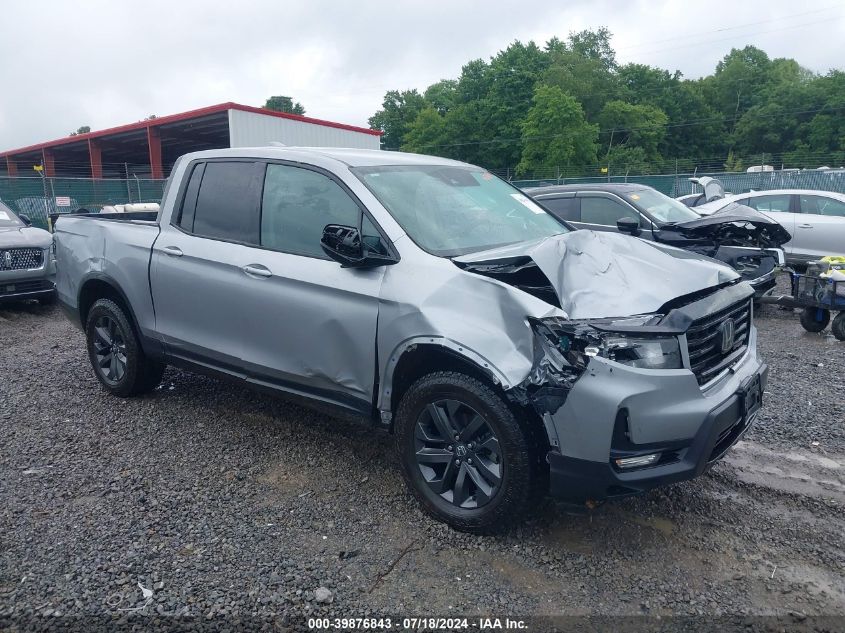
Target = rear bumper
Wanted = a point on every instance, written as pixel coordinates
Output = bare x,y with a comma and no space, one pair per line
580,479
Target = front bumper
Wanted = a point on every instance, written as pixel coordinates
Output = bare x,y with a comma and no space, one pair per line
612,412
29,283
765,284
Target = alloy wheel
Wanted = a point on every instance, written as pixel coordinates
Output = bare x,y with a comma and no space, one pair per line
458,454
109,349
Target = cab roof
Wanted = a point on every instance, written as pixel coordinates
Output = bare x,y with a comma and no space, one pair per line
349,156
610,187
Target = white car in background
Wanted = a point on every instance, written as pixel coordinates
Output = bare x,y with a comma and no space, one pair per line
815,219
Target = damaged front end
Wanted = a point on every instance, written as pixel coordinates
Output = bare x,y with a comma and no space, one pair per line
740,236
651,396
563,350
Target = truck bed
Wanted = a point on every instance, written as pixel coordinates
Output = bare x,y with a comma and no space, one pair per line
112,248
131,216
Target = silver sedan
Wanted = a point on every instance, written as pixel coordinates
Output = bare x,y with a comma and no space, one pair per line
815,219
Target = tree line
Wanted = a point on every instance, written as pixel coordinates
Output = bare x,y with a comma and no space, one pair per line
570,106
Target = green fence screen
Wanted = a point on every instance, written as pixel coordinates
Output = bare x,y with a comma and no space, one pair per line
38,197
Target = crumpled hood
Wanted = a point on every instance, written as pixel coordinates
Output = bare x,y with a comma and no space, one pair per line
24,237
766,232
597,274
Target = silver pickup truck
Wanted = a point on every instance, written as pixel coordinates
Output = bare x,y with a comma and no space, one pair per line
506,353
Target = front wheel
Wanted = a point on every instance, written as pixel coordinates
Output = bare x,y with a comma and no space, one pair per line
115,352
463,453
814,319
837,328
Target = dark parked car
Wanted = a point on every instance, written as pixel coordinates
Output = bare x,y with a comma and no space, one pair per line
737,235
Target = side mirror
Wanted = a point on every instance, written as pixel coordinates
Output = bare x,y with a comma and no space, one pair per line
25,219
344,245
631,226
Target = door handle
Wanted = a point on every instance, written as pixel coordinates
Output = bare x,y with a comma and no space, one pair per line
805,226
256,270
173,251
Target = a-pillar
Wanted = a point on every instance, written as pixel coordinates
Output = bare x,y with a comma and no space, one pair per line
48,160
95,154
154,144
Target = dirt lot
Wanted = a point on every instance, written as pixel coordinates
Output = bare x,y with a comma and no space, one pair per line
228,504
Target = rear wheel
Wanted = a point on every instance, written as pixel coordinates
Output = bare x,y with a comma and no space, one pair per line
814,319
115,352
838,326
464,455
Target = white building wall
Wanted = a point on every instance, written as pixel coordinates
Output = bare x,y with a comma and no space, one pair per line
250,129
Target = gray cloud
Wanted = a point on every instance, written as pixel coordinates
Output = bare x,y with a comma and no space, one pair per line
103,63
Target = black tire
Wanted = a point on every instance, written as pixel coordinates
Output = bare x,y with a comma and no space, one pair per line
810,322
491,506
115,352
837,328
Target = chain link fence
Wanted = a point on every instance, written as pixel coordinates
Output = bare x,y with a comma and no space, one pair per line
679,184
38,197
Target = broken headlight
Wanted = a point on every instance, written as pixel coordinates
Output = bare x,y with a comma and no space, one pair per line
646,353
572,343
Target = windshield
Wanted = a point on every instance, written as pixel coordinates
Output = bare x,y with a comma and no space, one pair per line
662,208
450,211
8,218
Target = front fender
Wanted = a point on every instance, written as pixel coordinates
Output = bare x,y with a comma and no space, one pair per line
460,350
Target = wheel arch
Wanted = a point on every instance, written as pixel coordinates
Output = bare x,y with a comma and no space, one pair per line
97,286
417,356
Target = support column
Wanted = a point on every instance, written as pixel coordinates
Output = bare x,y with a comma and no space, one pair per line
95,154
48,159
11,166
154,144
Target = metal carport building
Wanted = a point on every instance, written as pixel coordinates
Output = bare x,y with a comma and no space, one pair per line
148,149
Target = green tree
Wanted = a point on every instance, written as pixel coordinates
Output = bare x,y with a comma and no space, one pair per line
84,129
399,110
441,95
627,125
555,133
427,134
284,104
585,67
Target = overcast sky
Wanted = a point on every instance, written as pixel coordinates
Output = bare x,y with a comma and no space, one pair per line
66,64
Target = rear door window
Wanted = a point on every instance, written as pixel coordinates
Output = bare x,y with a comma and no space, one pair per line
189,201
564,208
604,211
774,203
821,205
227,206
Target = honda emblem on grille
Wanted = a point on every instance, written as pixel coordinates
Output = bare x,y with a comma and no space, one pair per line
727,329
7,259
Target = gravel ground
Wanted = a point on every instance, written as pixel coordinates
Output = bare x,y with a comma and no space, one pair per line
229,504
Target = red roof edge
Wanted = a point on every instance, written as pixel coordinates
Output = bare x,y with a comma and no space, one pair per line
182,116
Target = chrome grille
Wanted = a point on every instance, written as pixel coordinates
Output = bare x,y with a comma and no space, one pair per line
711,348
21,258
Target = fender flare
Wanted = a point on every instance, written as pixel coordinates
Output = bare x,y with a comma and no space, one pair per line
459,349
